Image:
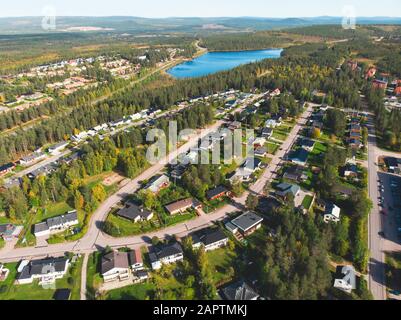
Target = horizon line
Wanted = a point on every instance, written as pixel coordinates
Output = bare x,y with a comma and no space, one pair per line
201,17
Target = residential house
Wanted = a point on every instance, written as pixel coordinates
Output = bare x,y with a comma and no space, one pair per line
267,133
261,152
210,239
299,157
182,206
216,193
271,123
58,147
393,164
47,271
56,224
118,265
245,224
307,144
239,291
370,73
9,231
178,171
295,173
285,189
350,171
32,158
345,279
7,168
245,172
166,254
332,213
158,183
135,213
380,84
258,142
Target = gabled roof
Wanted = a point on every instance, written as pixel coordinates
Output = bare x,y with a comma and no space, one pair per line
239,291
215,192
161,252
131,212
114,260
301,155
208,236
286,188
43,267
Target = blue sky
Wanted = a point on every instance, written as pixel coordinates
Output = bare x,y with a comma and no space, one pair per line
200,8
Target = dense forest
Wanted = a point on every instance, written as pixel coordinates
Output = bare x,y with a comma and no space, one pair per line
310,72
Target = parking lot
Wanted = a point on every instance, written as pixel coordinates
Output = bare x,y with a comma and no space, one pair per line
390,206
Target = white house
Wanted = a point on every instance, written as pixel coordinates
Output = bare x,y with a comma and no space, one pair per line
47,271
346,281
209,239
119,265
332,213
166,255
58,147
56,224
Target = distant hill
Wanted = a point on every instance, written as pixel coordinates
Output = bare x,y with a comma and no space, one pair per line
137,25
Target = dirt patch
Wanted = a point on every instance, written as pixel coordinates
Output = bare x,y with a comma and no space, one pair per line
113,179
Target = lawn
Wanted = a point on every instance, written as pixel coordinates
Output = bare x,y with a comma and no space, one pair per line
279,135
128,228
93,278
9,291
221,262
135,292
307,202
52,210
272,148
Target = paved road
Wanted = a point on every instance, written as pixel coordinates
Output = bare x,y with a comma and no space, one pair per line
94,237
84,277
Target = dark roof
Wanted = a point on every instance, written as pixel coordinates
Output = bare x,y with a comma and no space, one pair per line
286,188
41,267
39,227
307,143
167,250
300,155
252,163
62,294
7,166
215,192
294,173
6,229
247,221
59,220
239,291
208,236
391,162
131,211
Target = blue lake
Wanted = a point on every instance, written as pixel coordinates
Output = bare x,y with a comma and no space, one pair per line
213,62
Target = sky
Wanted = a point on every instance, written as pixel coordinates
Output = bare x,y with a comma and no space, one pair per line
200,8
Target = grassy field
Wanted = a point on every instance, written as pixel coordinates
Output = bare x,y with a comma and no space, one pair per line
221,262
72,281
272,148
128,228
94,280
135,292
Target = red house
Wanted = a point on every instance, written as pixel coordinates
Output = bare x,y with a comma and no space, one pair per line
380,84
397,91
